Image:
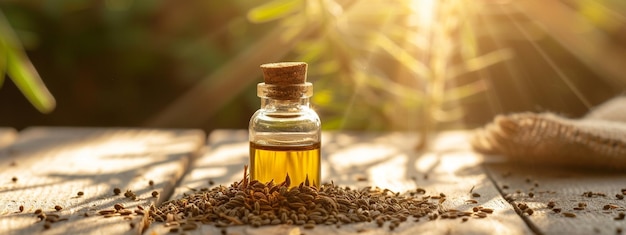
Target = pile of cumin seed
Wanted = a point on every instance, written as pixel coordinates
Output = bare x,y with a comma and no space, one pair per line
250,202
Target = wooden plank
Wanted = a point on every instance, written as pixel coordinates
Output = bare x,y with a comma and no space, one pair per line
566,188
384,160
54,164
7,136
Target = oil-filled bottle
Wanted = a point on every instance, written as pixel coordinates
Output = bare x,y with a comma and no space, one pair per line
285,132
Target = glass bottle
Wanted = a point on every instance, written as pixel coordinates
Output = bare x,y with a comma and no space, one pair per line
285,133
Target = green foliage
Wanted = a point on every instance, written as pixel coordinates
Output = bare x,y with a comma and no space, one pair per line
274,10
15,64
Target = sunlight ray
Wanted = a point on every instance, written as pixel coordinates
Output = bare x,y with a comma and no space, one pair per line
358,81
515,77
367,86
348,110
492,98
420,70
550,62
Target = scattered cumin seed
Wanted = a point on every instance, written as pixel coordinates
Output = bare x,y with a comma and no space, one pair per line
189,226
118,206
529,211
117,191
106,212
551,204
569,214
475,195
21,208
619,196
487,210
505,186
253,203
38,211
557,210
531,195
14,179
80,193
155,194
129,193
472,201
151,183
522,206
58,208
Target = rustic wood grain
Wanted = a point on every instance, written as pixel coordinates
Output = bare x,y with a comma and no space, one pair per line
565,187
53,164
367,159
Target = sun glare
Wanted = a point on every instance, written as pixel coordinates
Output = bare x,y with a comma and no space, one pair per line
424,13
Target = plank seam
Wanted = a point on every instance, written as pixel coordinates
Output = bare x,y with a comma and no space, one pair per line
536,230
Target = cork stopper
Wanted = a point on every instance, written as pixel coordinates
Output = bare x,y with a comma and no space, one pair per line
285,81
284,73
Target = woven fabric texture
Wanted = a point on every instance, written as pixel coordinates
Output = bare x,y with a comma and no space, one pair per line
598,140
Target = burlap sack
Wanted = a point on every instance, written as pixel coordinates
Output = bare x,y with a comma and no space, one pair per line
597,140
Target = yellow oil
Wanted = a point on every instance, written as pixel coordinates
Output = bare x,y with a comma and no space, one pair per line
275,162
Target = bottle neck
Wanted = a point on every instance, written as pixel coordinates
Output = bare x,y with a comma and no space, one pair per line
285,105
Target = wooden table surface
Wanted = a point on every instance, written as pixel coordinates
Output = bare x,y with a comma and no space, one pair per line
44,167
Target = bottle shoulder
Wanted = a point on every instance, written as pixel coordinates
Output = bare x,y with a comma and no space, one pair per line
304,115
305,122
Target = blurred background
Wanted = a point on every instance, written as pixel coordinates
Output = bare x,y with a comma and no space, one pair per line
376,65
